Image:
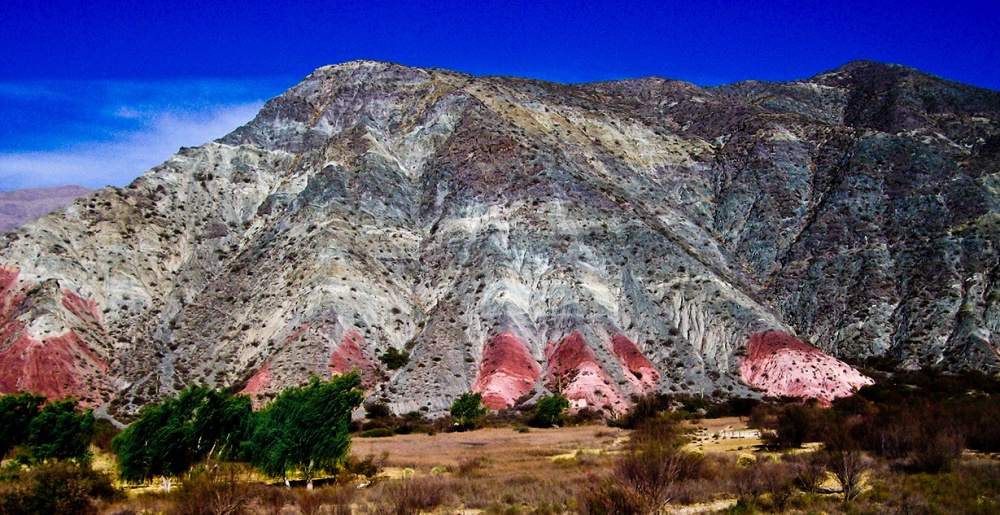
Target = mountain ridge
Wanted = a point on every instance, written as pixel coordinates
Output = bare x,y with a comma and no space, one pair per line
512,233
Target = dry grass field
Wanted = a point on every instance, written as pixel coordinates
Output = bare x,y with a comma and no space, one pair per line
488,467
505,446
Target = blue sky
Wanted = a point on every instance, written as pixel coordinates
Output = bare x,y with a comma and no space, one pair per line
97,92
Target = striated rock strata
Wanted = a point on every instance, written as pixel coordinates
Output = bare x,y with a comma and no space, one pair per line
517,236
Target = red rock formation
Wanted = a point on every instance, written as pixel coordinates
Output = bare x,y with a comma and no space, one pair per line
348,356
57,367
507,371
84,309
259,383
637,369
780,365
574,370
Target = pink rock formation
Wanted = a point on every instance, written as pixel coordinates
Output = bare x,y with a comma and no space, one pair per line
57,367
259,383
574,370
780,365
638,371
507,371
348,356
84,309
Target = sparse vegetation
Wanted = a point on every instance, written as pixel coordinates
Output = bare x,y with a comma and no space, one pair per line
393,359
467,410
549,411
871,453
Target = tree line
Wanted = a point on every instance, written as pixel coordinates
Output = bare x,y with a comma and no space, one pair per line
305,429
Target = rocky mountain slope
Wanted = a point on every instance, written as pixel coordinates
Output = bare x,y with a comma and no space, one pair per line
20,206
518,237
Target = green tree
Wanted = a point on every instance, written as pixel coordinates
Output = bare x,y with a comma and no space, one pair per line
306,428
549,410
394,359
16,413
61,432
170,437
467,409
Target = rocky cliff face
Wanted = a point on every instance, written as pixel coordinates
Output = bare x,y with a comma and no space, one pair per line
519,237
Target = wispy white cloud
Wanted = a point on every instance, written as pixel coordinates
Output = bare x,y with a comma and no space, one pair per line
120,160
110,133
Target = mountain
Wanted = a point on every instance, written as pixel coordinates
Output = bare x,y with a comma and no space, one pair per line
517,237
20,206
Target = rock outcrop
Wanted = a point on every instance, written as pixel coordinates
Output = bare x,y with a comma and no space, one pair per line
782,366
517,237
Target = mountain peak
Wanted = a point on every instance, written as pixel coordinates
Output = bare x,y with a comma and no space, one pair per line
519,237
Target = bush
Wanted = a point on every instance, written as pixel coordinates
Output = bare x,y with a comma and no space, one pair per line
765,483
104,432
849,467
369,466
467,410
393,359
378,432
936,449
612,499
412,496
549,411
56,488
809,470
785,427
643,408
651,467
374,410
220,488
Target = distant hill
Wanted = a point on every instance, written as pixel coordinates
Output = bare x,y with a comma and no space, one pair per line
20,206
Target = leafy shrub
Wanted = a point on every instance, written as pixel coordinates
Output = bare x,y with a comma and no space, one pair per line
377,409
467,410
55,488
393,359
549,410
